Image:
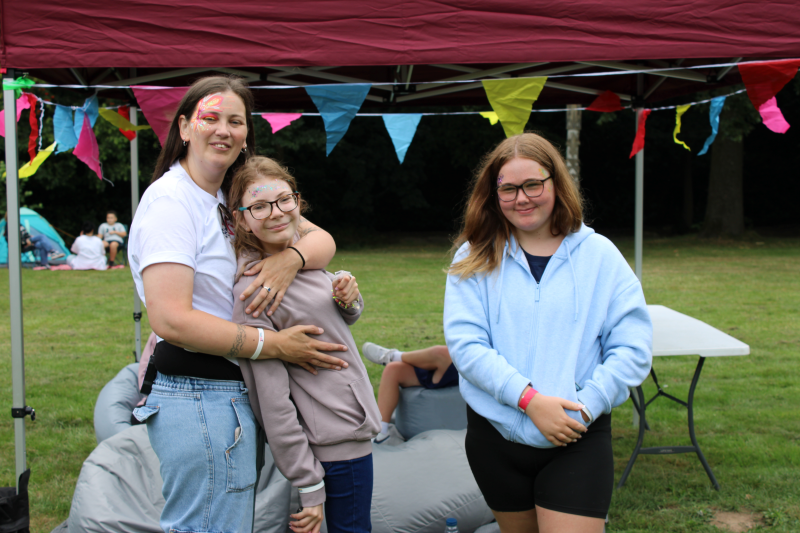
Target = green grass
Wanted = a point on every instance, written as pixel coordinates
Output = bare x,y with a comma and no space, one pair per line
78,334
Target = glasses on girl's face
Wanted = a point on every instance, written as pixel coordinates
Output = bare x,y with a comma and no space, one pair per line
263,209
532,189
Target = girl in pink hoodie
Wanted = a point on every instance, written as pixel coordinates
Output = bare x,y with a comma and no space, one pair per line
319,427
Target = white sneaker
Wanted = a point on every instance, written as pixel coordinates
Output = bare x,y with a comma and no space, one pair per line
377,354
393,438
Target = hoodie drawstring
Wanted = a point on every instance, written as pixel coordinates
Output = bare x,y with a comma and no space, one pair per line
574,280
500,287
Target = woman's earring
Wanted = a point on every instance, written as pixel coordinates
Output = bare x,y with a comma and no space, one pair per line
244,150
185,143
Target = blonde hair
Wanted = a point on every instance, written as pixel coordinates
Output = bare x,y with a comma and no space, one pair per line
485,227
253,169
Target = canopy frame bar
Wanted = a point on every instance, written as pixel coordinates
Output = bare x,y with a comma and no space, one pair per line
679,74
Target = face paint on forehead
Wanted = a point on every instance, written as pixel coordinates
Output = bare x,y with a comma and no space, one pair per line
272,186
544,173
212,102
500,180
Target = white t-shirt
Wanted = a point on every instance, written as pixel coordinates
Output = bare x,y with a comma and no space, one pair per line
105,228
178,222
90,254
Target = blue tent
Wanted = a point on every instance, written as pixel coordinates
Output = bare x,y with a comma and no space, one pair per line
36,225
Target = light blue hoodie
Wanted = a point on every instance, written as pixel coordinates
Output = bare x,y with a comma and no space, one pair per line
583,333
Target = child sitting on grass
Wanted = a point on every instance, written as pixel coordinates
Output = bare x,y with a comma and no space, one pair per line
88,249
319,427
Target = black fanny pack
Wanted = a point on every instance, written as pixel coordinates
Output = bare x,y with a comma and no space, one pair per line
172,360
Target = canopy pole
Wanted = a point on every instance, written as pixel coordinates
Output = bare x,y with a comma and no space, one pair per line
137,303
639,211
15,280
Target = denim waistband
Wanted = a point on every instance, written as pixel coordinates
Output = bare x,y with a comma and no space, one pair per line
194,384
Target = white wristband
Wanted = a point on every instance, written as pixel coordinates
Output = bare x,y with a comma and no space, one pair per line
260,344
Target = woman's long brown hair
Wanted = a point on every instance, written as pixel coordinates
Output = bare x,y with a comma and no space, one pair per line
173,148
485,227
253,169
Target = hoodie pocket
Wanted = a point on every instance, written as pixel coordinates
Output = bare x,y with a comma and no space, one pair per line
363,392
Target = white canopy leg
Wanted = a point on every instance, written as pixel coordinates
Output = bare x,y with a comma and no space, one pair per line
15,280
137,303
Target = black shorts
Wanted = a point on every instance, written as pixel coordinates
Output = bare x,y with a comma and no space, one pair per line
575,479
449,378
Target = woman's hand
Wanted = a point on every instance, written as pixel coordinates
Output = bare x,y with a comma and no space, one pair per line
548,415
294,345
276,273
308,520
346,289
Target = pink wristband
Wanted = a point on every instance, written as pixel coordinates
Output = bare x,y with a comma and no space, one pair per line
526,399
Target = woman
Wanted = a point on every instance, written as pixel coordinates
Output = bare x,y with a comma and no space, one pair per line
548,328
198,414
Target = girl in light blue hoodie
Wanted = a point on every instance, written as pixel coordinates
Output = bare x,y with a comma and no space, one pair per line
548,328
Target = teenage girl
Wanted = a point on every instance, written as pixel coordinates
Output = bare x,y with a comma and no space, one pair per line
319,428
547,326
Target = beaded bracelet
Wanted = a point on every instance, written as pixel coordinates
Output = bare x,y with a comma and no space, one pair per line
340,303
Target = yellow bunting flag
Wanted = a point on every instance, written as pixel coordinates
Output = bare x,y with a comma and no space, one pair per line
679,111
491,116
29,169
512,100
119,121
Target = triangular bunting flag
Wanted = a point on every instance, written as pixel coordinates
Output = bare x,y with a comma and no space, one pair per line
119,121
159,107
22,103
87,150
679,111
278,121
772,116
63,125
638,141
337,104
125,112
763,81
512,100
23,82
90,109
29,169
34,122
491,116
606,103
713,117
401,128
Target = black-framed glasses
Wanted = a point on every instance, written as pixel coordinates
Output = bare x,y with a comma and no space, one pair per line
532,189
263,209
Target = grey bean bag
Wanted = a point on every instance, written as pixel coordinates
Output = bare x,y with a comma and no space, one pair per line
112,412
119,490
422,482
422,409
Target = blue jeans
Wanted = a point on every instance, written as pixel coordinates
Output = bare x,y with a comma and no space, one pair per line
43,246
204,434
348,491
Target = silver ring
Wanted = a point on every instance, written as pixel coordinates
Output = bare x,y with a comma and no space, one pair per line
268,289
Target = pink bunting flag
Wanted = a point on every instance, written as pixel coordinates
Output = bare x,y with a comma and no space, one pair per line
87,149
159,107
278,121
22,103
772,116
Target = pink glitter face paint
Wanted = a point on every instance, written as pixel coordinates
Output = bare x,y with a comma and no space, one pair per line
274,186
500,180
205,108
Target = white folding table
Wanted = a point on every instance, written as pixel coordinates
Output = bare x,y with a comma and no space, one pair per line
677,334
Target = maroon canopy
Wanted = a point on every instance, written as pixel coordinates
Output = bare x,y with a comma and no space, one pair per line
257,33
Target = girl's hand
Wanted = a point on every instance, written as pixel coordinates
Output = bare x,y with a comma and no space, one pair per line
308,520
548,415
275,272
346,289
295,346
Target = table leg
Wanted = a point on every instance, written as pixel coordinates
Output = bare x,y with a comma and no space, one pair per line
642,425
690,406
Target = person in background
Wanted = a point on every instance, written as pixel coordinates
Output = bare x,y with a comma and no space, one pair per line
113,234
44,248
90,254
429,367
